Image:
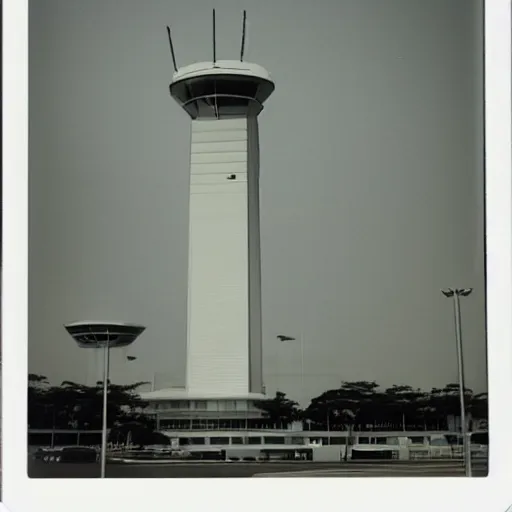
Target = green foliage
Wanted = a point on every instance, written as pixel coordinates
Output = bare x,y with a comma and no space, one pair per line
359,405
279,410
76,406
363,406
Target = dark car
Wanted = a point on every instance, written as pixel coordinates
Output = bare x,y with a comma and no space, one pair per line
68,454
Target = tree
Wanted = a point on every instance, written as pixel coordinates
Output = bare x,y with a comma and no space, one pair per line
353,403
403,406
279,410
73,405
479,409
36,381
37,400
361,405
445,402
139,430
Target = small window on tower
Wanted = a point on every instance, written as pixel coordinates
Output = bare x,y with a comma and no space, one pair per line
232,177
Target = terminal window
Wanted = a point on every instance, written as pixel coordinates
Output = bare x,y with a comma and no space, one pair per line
219,440
273,440
196,440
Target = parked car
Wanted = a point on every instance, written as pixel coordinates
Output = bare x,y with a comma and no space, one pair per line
67,454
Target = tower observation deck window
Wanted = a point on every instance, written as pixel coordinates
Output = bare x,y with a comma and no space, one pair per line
225,85
222,95
97,338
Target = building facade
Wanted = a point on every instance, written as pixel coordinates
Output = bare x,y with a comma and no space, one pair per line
183,411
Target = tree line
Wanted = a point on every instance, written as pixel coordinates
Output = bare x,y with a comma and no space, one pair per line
77,406
364,405
73,406
359,405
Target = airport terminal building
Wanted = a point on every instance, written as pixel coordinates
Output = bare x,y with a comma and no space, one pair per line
177,409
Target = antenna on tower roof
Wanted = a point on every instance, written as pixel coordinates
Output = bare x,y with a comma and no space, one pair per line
172,49
214,48
242,49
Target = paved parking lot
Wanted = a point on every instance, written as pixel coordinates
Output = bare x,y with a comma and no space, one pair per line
38,469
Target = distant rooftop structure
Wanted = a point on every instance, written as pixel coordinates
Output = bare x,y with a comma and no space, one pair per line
185,394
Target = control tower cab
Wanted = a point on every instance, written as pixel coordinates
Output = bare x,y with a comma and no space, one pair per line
224,89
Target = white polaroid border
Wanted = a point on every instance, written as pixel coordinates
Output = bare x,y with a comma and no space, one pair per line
19,493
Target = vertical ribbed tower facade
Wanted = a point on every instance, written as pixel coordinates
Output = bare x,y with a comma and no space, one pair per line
224,346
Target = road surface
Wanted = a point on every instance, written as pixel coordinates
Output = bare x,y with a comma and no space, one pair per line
37,469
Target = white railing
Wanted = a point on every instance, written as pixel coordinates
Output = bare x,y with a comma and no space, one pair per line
446,452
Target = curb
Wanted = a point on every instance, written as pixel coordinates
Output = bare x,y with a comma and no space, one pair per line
346,464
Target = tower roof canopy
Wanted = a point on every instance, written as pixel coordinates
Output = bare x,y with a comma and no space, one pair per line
227,88
226,67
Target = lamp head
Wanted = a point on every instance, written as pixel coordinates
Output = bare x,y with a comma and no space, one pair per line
282,337
448,292
101,334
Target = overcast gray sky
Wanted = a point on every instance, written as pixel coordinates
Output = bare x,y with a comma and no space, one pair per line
371,184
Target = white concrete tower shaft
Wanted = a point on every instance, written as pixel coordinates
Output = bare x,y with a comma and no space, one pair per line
224,349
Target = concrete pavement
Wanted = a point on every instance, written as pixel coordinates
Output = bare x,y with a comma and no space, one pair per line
38,469
382,469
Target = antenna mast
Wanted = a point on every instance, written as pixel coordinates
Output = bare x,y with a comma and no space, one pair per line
214,48
242,49
172,49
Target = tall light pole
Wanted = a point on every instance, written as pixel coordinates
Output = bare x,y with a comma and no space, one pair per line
284,338
456,293
153,377
104,335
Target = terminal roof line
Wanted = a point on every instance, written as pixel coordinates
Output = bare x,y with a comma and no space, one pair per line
242,48
172,49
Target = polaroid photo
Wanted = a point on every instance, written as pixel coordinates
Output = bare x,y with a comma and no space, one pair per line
256,255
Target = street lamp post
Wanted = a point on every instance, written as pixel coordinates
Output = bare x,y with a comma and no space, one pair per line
106,371
105,335
153,378
283,338
456,293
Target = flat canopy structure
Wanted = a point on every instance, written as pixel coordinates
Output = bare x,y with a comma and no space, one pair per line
185,394
99,334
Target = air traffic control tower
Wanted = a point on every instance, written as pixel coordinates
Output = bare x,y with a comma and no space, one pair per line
223,99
